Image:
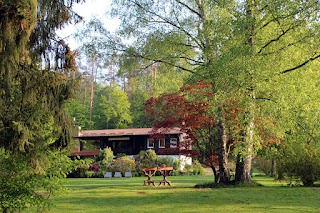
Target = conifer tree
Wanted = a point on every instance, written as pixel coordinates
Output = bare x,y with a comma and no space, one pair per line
34,84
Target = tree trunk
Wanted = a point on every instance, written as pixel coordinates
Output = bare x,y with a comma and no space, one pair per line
243,166
214,173
280,171
243,169
92,88
244,161
223,174
273,168
239,176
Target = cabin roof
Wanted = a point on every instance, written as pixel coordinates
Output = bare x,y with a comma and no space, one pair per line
126,132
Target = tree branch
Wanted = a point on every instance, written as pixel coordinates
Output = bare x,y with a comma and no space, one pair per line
169,22
304,129
274,40
301,65
162,61
285,47
189,8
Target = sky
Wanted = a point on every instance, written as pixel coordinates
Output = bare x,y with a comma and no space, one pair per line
88,10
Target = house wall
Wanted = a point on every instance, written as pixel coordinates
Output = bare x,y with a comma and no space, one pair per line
184,160
132,145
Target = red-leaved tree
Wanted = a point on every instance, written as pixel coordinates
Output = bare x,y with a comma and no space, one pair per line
191,109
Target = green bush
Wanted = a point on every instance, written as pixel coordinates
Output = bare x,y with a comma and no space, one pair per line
147,158
197,168
302,160
89,174
123,164
168,161
83,165
27,181
105,157
119,155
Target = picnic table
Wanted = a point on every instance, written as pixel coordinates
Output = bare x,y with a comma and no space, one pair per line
165,171
149,172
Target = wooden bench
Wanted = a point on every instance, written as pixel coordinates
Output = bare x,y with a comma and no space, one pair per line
149,172
165,171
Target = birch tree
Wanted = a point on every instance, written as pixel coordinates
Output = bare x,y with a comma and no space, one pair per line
245,47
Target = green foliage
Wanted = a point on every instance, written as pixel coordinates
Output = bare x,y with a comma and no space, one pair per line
83,166
123,164
147,158
263,164
105,157
116,107
27,182
197,168
80,112
302,160
191,169
34,86
168,161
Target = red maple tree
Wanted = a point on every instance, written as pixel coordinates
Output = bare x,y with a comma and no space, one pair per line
191,110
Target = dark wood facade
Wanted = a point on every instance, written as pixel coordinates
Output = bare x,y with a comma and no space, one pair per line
131,141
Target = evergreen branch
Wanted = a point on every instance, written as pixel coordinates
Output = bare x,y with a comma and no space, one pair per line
301,65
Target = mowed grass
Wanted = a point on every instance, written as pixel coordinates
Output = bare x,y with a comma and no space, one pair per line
130,195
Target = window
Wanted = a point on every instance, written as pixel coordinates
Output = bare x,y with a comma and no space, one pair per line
150,143
173,142
162,143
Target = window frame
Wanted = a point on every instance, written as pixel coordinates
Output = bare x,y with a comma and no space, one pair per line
164,143
175,140
148,143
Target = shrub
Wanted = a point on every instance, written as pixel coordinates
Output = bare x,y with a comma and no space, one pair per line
303,161
83,165
147,158
168,161
105,157
123,164
95,167
197,168
89,174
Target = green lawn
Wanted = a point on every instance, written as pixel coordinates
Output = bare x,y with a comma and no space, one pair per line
129,195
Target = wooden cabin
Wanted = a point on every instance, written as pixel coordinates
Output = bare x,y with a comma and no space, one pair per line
165,142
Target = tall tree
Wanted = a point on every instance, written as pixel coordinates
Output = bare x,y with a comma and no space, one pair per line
95,51
35,66
115,107
189,109
245,47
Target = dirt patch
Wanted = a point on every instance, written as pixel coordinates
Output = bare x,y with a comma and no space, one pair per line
141,193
